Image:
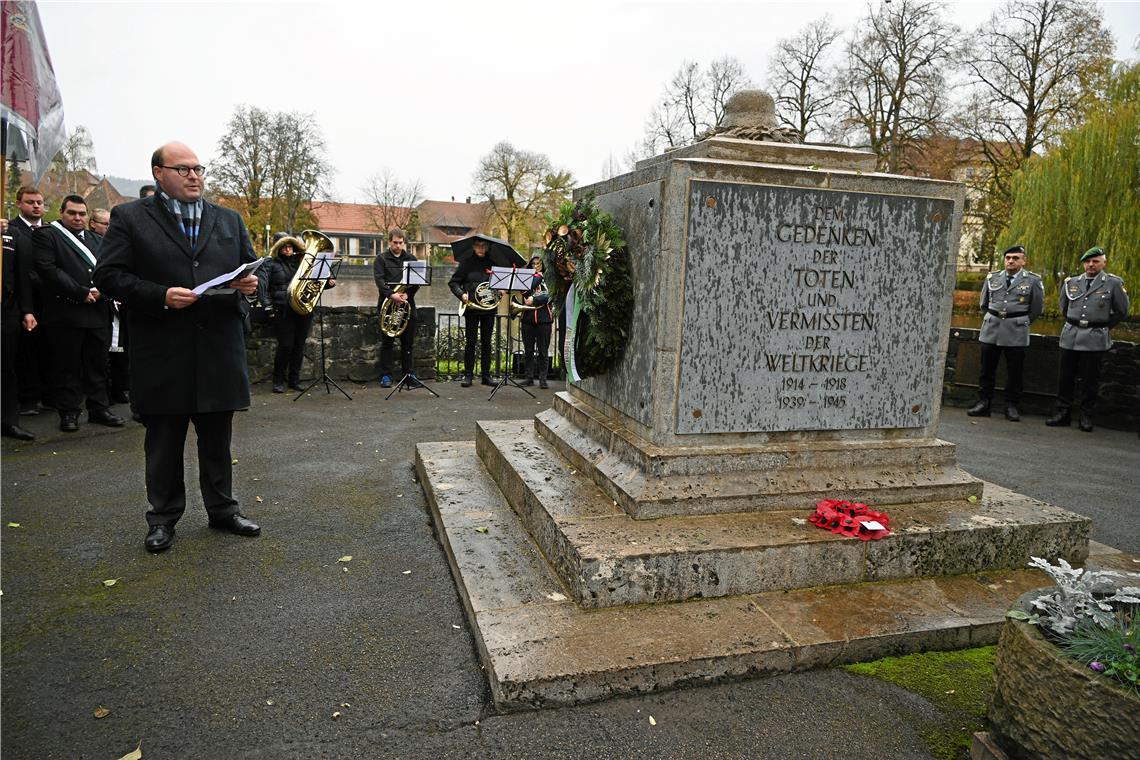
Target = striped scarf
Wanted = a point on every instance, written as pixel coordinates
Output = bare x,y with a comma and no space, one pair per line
189,215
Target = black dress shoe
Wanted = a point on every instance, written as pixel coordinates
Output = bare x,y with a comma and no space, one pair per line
1085,423
1012,414
17,432
486,380
466,381
238,524
105,417
279,387
528,382
69,423
1060,419
542,384
980,409
297,386
159,538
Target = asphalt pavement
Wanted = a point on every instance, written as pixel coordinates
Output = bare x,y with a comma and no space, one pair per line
339,633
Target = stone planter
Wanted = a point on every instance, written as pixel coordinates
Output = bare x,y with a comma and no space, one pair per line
1046,705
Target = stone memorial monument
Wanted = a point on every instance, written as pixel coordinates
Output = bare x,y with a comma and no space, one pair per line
791,317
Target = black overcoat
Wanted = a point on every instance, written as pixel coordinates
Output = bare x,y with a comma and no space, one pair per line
65,278
182,361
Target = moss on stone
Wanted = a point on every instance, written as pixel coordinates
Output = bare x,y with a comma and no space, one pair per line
955,682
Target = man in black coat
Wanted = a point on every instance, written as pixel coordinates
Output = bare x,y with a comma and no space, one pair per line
187,352
32,360
76,317
15,305
388,268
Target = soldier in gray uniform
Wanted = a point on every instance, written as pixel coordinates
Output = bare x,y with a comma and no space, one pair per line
1011,300
1091,304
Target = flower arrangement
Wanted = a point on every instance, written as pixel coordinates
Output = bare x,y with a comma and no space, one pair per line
1091,617
585,250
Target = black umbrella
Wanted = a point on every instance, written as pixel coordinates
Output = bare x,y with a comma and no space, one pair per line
501,253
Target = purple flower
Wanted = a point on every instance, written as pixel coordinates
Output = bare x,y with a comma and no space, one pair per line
1099,668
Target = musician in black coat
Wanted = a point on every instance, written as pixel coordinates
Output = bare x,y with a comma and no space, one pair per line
387,269
76,317
470,273
536,325
187,352
292,329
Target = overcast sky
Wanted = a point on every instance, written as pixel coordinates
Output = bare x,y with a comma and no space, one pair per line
424,88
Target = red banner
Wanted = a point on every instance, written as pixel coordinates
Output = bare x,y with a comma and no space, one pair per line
30,103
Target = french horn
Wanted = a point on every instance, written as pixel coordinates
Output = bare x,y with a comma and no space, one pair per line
395,317
484,299
303,291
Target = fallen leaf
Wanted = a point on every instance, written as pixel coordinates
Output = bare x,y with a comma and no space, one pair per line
101,712
453,625
234,462
345,558
345,704
399,496
950,692
256,479
652,722
13,525
269,702
407,572
481,529
111,581
344,569
799,521
136,754
972,499
336,715
258,499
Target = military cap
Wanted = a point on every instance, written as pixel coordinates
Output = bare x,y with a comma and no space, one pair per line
1014,249
1093,252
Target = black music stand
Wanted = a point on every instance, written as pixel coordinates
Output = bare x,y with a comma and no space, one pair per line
417,275
513,284
326,268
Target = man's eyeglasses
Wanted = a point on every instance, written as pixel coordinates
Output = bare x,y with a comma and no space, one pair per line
184,171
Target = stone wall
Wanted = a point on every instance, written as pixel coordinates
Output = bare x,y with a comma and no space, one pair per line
352,346
1119,403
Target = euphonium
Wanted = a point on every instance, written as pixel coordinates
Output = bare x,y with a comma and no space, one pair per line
304,292
485,299
395,317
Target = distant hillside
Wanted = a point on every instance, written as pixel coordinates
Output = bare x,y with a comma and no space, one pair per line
129,187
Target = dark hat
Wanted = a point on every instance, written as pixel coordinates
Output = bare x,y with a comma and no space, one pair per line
1014,249
1092,253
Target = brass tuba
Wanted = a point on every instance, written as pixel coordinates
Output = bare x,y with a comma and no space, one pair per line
304,292
395,317
485,299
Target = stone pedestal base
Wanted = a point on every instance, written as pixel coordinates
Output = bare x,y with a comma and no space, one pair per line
554,576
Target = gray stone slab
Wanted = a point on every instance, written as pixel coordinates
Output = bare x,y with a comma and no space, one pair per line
606,558
819,309
540,651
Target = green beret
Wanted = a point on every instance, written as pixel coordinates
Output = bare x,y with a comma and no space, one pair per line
1091,253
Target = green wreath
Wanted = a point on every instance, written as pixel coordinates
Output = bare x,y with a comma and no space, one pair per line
584,248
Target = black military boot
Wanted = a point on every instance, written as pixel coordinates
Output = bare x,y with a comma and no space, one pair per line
1012,414
1085,422
980,409
1060,419
466,381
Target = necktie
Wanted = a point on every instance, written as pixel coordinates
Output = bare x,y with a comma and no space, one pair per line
1008,281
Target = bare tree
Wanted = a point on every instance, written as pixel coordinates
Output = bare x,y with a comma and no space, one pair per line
272,165
521,186
796,77
1035,67
611,167
891,86
392,199
693,102
76,154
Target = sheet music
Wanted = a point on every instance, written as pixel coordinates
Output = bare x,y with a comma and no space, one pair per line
509,278
210,287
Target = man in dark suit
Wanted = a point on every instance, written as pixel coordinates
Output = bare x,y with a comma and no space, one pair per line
187,352
32,360
76,317
15,305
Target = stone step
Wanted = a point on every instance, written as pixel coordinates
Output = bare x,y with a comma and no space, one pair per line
540,649
648,481
606,558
